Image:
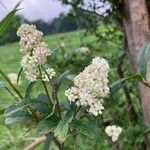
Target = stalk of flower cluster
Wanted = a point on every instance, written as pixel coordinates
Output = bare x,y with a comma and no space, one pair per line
45,87
11,84
91,86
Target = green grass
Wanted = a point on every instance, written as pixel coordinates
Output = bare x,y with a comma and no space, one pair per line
10,56
12,136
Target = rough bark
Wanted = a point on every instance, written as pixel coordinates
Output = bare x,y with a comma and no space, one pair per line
136,29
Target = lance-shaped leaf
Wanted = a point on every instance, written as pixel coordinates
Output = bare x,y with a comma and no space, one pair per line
6,20
17,112
19,116
122,80
47,125
61,78
143,58
16,108
41,104
29,90
19,75
61,131
86,127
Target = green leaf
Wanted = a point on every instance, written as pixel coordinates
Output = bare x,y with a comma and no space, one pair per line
47,125
14,109
122,80
42,97
19,116
4,23
61,131
86,127
19,74
143,58
61,78
29,90
41,104
17,112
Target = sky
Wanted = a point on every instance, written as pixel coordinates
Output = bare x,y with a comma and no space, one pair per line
34,9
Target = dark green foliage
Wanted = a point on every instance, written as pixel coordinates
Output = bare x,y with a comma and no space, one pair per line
29,90
122,80
62,129
16,113
47,125
87,127
10,33
60,79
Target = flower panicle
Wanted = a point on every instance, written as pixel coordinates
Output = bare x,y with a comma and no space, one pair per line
91,86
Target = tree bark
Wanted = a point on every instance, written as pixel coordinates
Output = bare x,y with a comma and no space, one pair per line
136,29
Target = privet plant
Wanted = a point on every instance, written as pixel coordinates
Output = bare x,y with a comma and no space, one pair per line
58,120
83,110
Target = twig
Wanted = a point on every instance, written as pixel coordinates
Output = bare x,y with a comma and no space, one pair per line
35,143
54,91
45,87
74,137
10,83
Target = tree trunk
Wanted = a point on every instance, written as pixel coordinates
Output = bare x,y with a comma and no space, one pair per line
136,29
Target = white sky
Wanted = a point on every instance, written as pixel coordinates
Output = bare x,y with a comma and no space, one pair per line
34,9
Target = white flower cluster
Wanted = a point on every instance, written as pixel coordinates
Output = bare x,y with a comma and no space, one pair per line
91,86
35,51
113,132
13,78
